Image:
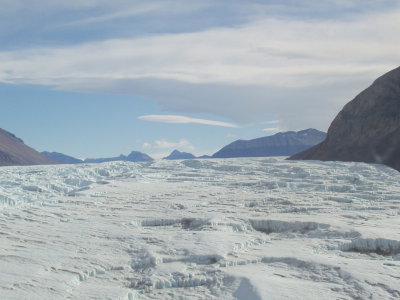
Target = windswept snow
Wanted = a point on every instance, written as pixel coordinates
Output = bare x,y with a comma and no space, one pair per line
200,229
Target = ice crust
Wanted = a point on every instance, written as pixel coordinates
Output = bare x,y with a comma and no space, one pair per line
270,226
41,185
379,246
242,229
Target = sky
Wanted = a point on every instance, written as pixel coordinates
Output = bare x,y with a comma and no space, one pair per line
97,78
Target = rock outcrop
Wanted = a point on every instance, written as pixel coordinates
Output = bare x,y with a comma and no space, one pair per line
280,144
13,152
367,129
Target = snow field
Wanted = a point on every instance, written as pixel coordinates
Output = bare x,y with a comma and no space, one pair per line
260,228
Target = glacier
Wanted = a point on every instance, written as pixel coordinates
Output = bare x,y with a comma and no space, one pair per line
258,228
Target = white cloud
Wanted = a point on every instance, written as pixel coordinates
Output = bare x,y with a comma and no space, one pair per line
146,145
271,122
165,144
169,144
272,51
275,126
301,71
272,129
160,155
174,119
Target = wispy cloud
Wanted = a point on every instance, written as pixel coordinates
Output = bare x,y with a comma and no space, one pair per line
165,144
271,122
272,129
274,126
140,8
174,119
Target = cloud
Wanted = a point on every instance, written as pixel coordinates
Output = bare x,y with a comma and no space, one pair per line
174,119
275,126
271,51
299,69
139,8
165,144
168,144
272,129
146,145
160,155
271,122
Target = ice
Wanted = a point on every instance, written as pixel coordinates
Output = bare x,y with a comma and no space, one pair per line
270,226
254,228
246,291
41,185
379,246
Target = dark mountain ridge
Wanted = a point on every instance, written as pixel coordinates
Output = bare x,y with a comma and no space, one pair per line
280,144
367,129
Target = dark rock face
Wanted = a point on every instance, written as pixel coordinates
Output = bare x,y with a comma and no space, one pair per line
13,152
368,127
134,156
179,155
62,158
280,144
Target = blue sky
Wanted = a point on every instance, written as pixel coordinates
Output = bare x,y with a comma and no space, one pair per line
101,78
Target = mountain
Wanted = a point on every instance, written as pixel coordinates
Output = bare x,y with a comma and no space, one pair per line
368,127
179,155
138,156
62,158
280,144
13,152
134,156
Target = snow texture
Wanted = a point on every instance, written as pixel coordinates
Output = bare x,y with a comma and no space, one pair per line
200,229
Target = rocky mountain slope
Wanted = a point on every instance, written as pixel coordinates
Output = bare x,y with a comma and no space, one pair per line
280,144
13,152
368,127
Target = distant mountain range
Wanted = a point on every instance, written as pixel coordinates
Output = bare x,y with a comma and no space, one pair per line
179,155
366,130
368,127
62,158
280,144
14,152
134,156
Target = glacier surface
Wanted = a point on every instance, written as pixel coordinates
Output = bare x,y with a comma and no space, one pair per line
260,228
